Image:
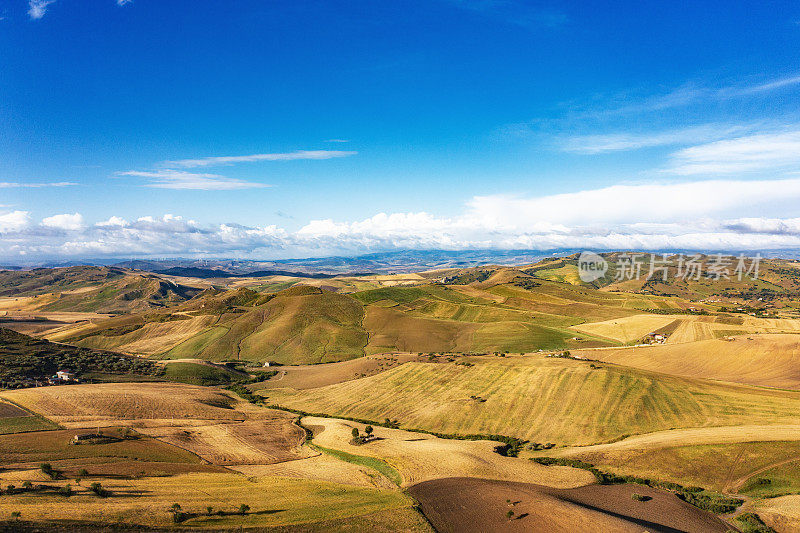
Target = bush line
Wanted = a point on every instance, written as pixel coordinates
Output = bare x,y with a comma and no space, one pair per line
692,495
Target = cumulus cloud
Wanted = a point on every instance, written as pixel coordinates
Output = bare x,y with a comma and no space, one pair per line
112,221
14,221
229,160
66,221
179,179
715,215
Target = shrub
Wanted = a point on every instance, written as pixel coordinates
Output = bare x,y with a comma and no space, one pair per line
48,470
66,490
243,509
640,498
752,523
98,489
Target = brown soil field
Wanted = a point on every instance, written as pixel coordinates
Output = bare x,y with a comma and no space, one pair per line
467,505
199,421
250,442
9,410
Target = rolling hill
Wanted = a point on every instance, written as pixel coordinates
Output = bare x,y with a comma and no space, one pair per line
543,399
90,289
508,311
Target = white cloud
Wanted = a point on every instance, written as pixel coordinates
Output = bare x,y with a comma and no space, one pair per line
37,8
113,221
66,221
707,216
179,179
14,185
14,221
228,160
595,144
768,151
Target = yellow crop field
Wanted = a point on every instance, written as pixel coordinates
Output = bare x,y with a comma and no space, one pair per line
544,399
79,405
420,457
771,360
273,501
627,329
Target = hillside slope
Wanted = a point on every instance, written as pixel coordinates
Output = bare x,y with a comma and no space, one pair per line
543,399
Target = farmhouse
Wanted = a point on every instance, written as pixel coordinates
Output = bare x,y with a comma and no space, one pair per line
65,375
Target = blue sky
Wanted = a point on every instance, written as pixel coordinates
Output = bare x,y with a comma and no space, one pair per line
277,129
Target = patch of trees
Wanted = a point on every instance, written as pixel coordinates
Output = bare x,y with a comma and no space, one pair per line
26,361
359,439
752,523
179,515
395,424
676,311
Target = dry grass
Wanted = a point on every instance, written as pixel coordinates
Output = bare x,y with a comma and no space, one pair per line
767,360
210,423
249,442
627,329
419,457
782,514
85,405
321,467
544,399
273,501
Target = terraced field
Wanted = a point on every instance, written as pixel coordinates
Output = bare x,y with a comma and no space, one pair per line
543,399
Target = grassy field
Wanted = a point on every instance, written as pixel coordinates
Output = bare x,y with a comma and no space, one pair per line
200,373
543,399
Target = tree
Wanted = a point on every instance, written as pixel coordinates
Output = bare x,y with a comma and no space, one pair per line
178,515
510,514
355,433
48,470
83,472
243,509
16,515
209,510
368,430
27,485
